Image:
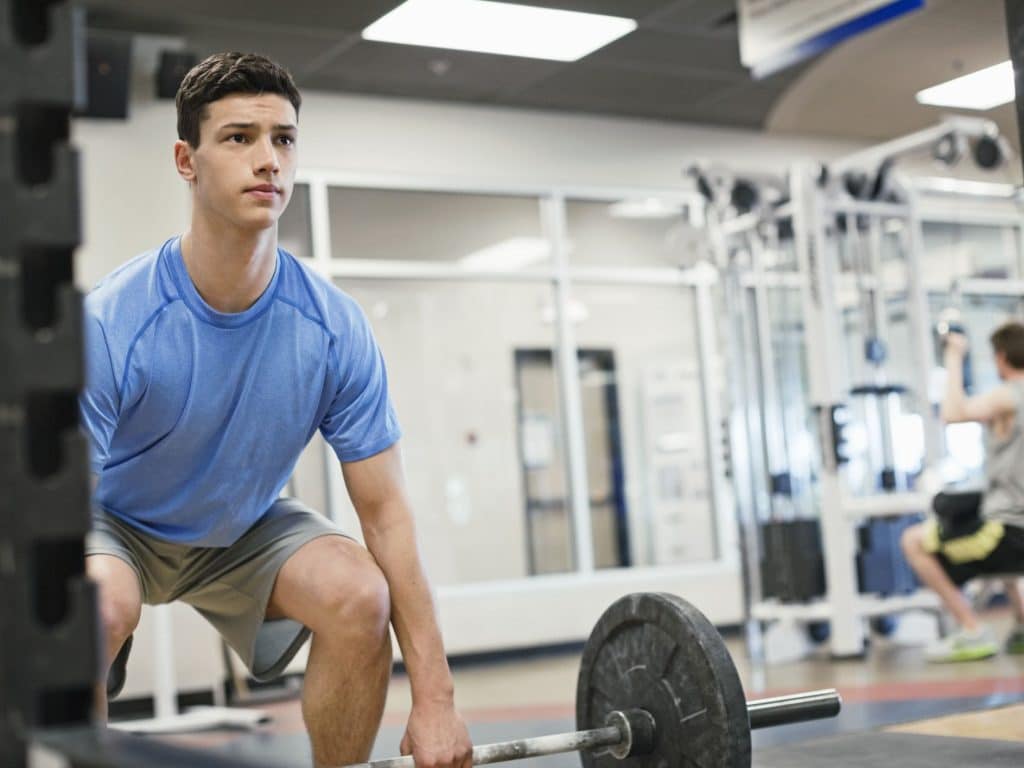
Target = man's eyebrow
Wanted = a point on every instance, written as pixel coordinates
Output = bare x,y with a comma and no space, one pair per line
278,127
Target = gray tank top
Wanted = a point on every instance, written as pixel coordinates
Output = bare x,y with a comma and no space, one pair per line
1004,468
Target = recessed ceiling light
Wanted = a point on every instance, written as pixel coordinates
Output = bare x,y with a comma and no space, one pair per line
503,28
984,89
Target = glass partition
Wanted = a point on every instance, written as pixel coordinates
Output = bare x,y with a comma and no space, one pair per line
955,250
498,232
630,233
475,371
294,228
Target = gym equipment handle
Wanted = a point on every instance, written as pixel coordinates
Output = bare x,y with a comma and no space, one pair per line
764,713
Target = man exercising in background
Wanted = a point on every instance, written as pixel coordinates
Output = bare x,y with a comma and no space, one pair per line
211,361
976,534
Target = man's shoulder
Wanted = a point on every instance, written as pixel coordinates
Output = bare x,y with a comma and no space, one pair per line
317,297
129,294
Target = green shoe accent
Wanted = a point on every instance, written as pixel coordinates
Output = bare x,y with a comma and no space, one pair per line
963,647
974,652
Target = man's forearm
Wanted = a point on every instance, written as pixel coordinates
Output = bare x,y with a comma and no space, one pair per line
392,542
954,398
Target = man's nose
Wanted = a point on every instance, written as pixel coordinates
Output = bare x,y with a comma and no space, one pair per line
265,159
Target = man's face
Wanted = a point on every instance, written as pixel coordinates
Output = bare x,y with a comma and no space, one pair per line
1002,367
244,167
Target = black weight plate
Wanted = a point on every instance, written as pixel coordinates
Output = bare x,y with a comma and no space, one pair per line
659,653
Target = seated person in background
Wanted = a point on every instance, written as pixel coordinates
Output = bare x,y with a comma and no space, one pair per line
976,534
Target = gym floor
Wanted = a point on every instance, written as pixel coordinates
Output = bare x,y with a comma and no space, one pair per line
918,705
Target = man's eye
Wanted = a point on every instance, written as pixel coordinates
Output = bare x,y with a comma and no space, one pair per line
237,137
286,140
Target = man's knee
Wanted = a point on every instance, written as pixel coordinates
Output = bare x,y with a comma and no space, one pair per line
120,599
356,599
912,540
120,617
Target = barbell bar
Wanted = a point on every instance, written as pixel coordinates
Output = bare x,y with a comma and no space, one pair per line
633,732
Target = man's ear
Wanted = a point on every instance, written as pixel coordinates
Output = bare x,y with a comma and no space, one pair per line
184,160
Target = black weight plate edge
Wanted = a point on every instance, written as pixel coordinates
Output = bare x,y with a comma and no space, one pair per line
631,609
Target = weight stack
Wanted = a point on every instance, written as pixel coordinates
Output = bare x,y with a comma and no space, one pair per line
792,565
881,567
48,626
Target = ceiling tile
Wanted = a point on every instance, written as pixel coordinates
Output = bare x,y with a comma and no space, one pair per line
295,50
406,68
618,91
672,52
712,16
352,15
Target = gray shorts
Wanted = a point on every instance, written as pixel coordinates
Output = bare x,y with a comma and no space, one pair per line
229,586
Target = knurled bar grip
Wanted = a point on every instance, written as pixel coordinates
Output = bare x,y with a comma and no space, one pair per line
764,713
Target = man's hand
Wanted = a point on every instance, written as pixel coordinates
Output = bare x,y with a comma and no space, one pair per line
956,344
436,737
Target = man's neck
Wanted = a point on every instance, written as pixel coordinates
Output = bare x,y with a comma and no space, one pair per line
230,268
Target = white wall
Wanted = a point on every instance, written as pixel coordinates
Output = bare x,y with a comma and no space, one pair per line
132,197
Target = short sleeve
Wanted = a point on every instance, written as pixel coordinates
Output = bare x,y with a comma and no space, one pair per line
99,400
360,420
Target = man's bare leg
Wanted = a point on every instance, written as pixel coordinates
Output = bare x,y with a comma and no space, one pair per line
343,701
929,571
333,586
120,604
1012,587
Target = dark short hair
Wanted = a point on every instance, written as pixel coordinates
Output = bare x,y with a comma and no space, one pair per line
224,74
1009,339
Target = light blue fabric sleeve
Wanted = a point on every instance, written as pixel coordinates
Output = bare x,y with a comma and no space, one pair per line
360,420
99,402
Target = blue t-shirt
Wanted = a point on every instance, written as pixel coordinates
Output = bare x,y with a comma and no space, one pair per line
196,417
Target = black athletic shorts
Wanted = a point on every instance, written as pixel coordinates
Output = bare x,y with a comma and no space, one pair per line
983,548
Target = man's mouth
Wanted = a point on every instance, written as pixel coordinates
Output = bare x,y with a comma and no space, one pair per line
264,191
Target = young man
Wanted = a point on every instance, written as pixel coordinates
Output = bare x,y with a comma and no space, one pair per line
976,534
211,361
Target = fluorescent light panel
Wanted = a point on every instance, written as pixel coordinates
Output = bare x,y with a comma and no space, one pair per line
502,28
981,90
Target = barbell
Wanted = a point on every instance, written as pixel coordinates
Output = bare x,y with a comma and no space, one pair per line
658,688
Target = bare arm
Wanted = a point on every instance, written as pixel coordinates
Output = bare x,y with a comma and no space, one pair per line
436,735
377,488
956,405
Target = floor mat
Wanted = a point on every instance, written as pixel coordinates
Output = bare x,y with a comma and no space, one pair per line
894,750
1006,724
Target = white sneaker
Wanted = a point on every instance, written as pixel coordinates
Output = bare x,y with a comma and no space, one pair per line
963,646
